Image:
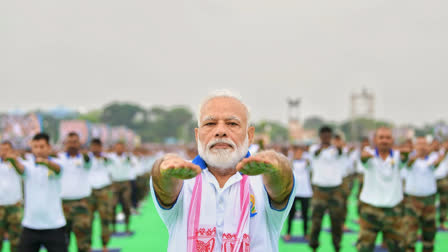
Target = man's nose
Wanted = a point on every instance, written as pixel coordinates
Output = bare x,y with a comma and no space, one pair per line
220,131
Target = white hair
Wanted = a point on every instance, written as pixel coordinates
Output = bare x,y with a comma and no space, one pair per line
219,94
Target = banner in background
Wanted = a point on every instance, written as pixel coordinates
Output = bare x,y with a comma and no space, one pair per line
79,126
20,129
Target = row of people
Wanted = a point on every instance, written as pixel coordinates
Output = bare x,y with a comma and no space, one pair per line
398,188
62,192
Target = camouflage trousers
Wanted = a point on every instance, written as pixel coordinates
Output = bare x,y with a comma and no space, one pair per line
420,212
147,177
374,220
360,178
141,187
442,191
10,221
347,186
101,201
331,199
122,194
78,216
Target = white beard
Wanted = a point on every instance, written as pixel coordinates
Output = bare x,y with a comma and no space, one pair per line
224,159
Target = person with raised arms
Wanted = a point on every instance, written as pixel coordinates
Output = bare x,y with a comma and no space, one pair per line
11,206
43,222
420,201
382,194
225,199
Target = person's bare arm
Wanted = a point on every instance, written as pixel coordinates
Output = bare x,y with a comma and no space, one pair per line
277,175
168,174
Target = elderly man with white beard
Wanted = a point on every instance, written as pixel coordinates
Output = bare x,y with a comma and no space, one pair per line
225,199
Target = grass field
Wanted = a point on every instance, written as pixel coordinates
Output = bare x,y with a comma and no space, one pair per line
151,235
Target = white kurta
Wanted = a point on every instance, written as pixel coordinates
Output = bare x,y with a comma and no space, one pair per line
264,226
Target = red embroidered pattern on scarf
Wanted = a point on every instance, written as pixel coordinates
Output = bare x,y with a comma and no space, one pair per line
208,235
229,241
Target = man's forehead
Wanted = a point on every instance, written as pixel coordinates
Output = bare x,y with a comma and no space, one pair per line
224,108
384,131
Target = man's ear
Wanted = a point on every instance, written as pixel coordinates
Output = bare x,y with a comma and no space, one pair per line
251,134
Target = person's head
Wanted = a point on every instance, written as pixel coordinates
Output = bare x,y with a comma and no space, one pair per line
365,142
72,143
384,139
325,134
435,145
337,140
40,145
421,146
5,148
224,133
96,146
298,151
119,148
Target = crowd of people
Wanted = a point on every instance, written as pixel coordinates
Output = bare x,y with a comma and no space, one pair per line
399,186
45,195
234,195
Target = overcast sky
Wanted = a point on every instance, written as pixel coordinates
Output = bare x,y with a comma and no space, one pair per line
84,54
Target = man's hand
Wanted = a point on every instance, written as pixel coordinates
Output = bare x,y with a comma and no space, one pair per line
277,175
175,167
168,174
42,161
49,164
366,155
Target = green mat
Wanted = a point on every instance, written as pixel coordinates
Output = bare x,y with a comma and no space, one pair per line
152,236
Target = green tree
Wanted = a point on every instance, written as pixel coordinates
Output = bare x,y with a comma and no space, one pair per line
277,131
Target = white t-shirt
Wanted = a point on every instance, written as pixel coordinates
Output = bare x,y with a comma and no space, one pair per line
10,184
122,167
264,227
301,172
43,204
75,177
99,176
420,179
348,162
382,181
139,167
327,167
442,170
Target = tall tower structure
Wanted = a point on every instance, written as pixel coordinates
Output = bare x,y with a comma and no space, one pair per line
362,105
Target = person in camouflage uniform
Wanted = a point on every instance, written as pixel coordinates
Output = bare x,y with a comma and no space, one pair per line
102,190
382,194
122,173
76,192
441,175
10,197
420,190
328,193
